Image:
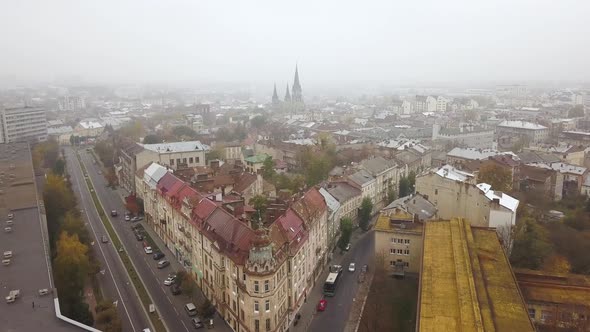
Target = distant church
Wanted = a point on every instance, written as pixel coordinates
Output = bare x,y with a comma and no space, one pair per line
293,101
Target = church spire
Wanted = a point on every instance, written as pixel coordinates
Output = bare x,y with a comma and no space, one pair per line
275,96
287,95
297,94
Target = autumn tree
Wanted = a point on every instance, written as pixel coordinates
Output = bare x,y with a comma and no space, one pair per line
531,244
206,310
217,152
500,178
345,233
59,167
183,132
131,204
365,213
152,139
58,200
268,168
186,283
107,318
72,224
259,203
132,130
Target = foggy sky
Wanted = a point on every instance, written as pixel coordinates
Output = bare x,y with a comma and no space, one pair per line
259,42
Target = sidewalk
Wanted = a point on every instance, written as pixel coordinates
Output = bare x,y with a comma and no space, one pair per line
308,309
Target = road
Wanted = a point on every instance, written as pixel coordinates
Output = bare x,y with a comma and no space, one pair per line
170,308
114,282
338,310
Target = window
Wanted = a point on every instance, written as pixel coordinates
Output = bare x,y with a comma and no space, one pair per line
256,309
392,240
406,251
266,286
546,315
267,305
532,312
407,241
256,325
177,161
391,251
436,191
256,287
196,159
399,251
234,305
184,160
171,162
268,324
190,160
391,263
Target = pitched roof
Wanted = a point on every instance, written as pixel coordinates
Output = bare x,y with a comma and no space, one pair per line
245,181
361,177
343,191
228,234
506,201
450,172
416,205
377,165
521,125
310,206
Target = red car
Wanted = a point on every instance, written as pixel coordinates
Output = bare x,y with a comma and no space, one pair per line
322,305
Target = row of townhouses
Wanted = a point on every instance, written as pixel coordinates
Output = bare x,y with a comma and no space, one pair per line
257,277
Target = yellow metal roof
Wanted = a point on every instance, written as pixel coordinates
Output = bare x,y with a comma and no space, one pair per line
466,283
538,286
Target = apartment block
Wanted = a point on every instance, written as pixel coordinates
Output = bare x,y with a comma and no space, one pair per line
23,124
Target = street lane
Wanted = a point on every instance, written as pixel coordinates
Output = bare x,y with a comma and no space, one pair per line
113,279
338,310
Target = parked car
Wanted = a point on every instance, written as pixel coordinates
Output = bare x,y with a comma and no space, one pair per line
170,280
351,267
138,236
135,219
104,239
158,255
114,213
347,247
175,289
322,305
197,323
148,250
163,263
127,217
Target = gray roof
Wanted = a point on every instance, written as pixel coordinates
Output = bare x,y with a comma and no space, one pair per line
414,204
361,177
377,165
342,191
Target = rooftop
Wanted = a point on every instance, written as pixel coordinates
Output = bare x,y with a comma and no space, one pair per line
29,269
90,124
450,172
476,154
466,282
342,191
506,201
561,167
361,177
257,159
521,125
539,286
377,165
414,204
173,147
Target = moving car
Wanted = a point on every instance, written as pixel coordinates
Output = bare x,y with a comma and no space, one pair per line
351,267
138,236
197,323
158,255
163,263
170,280
322,305
127,217
114,213
104,239
148,250
135,219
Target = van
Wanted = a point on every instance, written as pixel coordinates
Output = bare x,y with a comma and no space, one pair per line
190,309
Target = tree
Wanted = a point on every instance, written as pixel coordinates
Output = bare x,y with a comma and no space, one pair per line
111,177
365,213
531,245
186,283
576,112
412,181
206,310
183,132
131,204
345,233
216,153
107,318
391,195
259,203
59,167
258,121
498,177
152,139
73,225
404,187
268,168
58,200
132,130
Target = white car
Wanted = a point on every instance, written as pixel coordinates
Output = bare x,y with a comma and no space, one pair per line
351,267
170,280
148,250
127,217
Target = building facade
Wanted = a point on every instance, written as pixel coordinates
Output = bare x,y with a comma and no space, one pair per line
532,132
23,124
398,242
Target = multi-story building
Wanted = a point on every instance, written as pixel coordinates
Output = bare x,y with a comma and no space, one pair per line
366,183
531,132
257,279
421,105
349,198
88,128
333,227
458,157
71,103
385,173
441,104
398,242
464,136
23,124
455,194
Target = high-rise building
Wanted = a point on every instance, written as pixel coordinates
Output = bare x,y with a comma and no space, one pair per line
71,103
19,124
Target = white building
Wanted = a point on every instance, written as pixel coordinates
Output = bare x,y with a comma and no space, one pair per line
23,124
71,103
441,104
174,155
533,132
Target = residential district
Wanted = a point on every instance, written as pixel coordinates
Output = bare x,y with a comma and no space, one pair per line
430,209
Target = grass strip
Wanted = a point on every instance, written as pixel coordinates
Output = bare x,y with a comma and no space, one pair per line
141,291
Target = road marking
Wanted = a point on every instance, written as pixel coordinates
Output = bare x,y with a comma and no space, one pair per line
177,314
170,301
96,236
184,325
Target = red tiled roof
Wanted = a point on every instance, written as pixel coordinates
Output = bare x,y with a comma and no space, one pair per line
289,228
245,181
203,209
165,183
310,206
229,234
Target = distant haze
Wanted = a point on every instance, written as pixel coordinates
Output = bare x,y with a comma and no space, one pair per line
259,42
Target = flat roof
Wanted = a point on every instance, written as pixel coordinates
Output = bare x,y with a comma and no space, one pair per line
466,282
554,288
28,270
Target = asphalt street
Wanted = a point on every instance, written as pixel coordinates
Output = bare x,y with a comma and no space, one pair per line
113,278
169,307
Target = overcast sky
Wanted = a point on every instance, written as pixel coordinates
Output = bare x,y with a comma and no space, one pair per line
259,42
